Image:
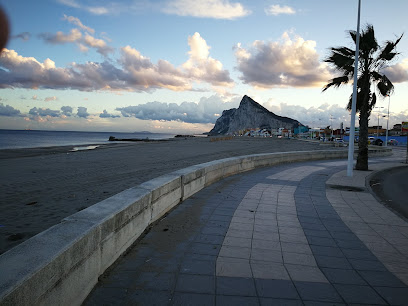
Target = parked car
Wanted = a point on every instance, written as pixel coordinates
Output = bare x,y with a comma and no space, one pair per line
378,142
392,142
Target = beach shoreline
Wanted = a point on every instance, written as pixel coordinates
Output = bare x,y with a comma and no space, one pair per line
41,186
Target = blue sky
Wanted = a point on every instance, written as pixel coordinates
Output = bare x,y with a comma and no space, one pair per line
175,65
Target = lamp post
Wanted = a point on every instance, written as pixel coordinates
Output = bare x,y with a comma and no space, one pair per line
378,122
350,157
331,125
388,119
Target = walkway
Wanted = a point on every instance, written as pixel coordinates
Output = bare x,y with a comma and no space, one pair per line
294,234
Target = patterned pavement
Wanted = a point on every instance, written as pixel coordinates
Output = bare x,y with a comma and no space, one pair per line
293,234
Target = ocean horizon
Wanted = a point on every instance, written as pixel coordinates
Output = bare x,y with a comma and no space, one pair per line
20,139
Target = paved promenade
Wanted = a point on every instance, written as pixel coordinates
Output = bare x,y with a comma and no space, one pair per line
293,234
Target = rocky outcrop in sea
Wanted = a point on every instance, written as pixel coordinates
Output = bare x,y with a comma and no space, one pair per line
250,115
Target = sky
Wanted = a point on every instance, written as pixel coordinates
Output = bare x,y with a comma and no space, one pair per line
173,66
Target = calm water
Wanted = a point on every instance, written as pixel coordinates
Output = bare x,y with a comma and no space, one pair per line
12,139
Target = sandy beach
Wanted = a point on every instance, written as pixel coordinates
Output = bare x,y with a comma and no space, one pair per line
41,186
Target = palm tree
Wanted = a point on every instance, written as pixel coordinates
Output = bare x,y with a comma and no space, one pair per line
372,59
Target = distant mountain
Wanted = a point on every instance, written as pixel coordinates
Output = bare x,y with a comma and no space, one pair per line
249,115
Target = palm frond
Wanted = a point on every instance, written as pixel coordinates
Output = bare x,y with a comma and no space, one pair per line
373,101
368,42
387,52
385,86
336,82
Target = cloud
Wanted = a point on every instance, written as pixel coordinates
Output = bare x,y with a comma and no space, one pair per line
276,10
217,9
8,111
66,111
77,22
24,36
44,112
397,73
131,72
96,10
207,110
61,38
48,99
286,63
105,114
82,112
82,41
35,97
201,67
99,44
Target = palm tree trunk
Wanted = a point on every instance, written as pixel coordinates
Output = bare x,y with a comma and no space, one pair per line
362,157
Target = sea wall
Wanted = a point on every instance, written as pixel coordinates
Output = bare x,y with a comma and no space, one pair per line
61,265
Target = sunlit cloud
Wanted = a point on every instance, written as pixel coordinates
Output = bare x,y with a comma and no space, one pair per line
290,62
60,38
397,73
132,72
95,10
276,10
217,9
77,22
48,99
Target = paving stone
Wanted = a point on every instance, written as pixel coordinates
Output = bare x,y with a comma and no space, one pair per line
368,265
359,254
324,234
359,294
317,292
234,251
266,236
203,267
214,230
305,273
280,302
321,241
301,248
239,233
236,241
145,297
195,283
205,248
351,244
266,255
326,251
281,289
153,281
332,262
300,259
209,239
106,296
225,300
160,265
233,267
315,303
266,244
394,296
339,276
239,286
382,279
190,299
268,270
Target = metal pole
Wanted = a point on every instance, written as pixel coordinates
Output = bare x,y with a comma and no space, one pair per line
354,99
388,119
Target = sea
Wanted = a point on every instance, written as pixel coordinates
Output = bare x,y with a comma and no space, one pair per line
17,139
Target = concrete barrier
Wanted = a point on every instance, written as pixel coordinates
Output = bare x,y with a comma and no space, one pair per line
61,265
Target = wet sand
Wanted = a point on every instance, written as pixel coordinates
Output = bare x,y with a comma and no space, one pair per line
41,186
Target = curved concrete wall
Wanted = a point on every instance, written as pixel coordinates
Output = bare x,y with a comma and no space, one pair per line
61,265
